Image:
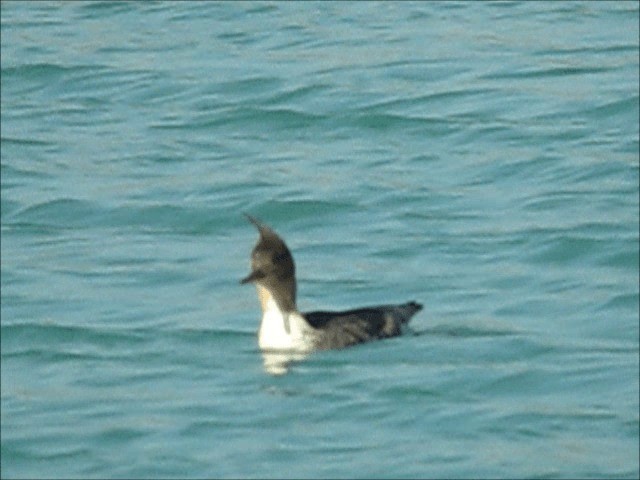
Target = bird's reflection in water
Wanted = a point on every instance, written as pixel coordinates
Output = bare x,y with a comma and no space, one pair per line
278,362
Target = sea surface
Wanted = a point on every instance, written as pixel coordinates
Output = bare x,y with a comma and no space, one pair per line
480,158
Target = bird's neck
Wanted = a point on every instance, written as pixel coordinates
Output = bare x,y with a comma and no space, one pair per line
282,295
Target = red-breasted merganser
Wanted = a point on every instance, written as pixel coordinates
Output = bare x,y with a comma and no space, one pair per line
284,328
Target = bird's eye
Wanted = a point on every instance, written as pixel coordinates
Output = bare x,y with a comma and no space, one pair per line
279,257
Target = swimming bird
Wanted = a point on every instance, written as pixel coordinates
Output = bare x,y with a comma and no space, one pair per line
284,328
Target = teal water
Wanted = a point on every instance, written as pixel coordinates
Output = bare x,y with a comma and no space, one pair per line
481,158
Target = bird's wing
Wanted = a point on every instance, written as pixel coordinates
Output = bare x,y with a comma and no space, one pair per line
341,329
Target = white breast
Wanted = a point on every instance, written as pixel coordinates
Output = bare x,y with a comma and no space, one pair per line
280,331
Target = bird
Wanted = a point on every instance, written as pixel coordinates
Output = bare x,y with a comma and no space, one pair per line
283,328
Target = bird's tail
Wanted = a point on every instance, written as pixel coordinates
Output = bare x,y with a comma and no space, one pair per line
408,310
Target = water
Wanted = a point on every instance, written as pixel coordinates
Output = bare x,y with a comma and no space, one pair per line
481,158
